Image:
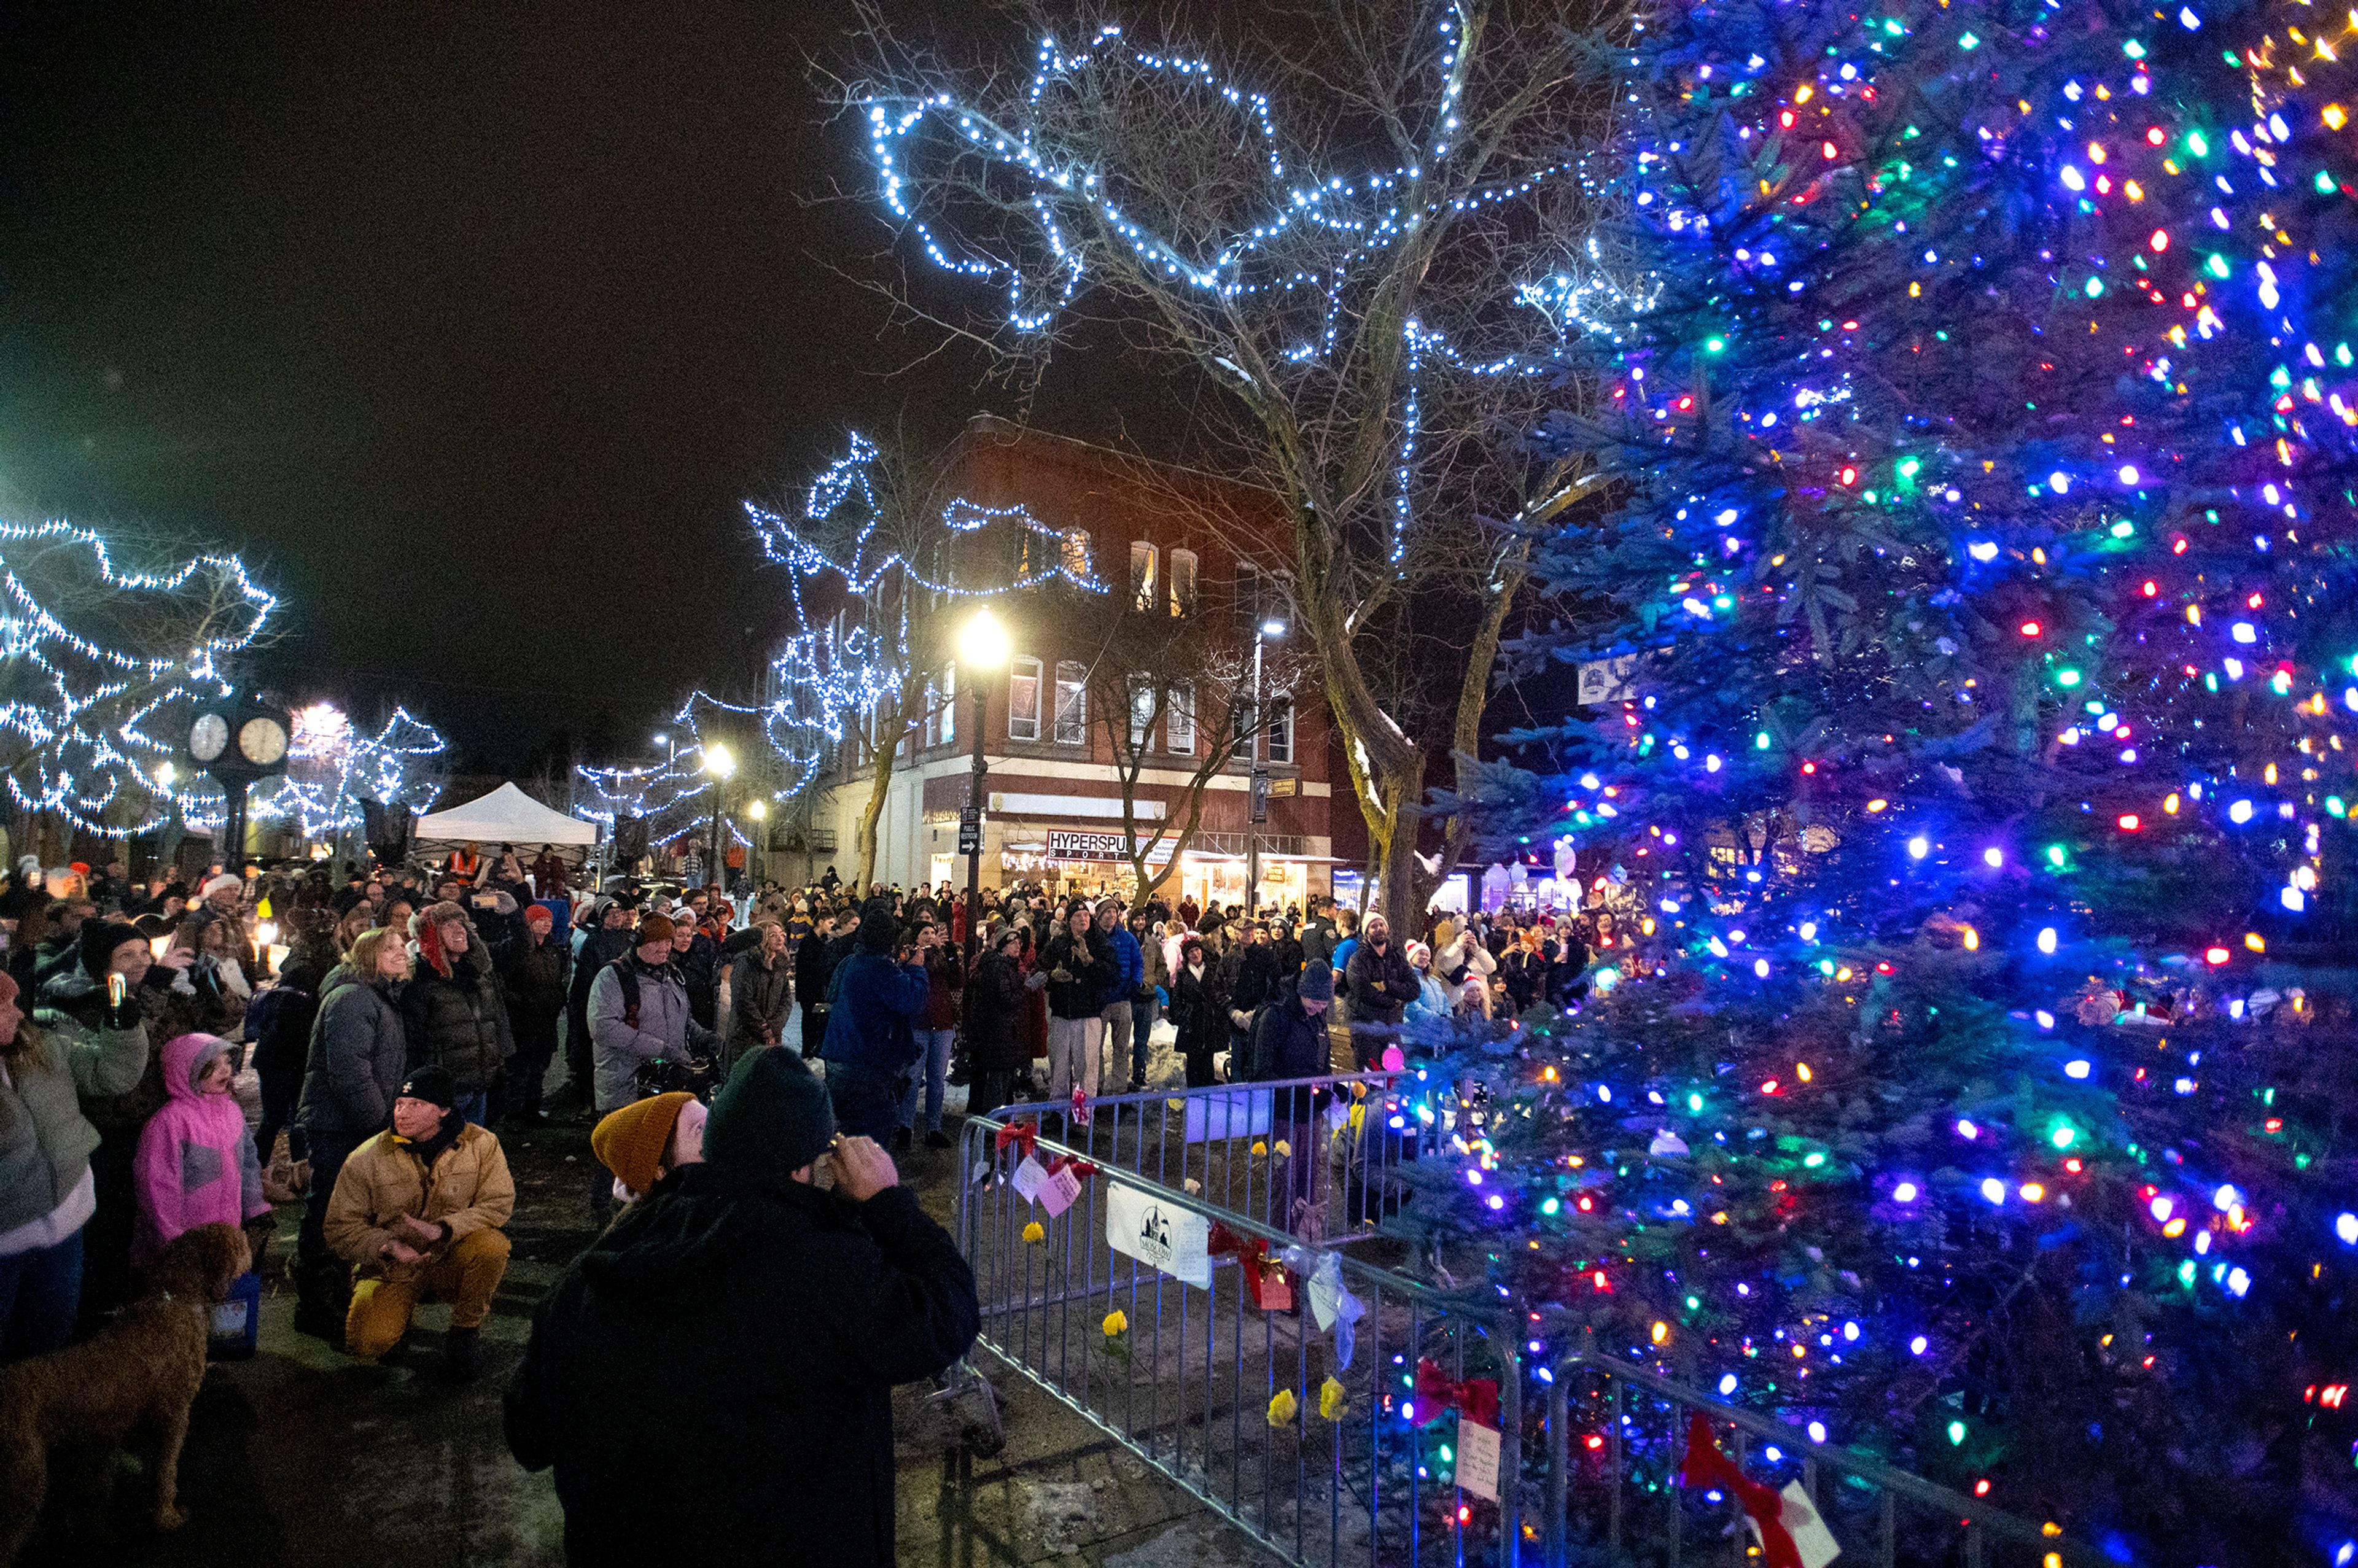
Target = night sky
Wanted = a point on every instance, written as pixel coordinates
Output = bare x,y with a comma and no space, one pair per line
469,327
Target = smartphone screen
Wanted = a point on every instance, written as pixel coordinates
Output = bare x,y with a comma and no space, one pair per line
114,987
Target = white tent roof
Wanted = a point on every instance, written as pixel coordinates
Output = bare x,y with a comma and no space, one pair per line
506,815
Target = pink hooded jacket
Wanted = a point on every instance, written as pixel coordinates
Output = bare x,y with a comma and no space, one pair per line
196,1164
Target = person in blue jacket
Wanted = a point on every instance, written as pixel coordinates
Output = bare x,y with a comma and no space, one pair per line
1130,973
876,995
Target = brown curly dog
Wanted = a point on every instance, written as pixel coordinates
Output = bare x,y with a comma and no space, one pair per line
135,1378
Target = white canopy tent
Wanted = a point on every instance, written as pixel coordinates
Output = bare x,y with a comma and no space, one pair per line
506,815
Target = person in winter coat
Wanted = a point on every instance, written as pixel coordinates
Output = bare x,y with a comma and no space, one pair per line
937,1032
639,1012
419,1212
996,1002
607,938
47,1191
696,956
534,970
760,992
814,973
871,1042
1081,974
196,1165
360,1050
1434,1003
280,1026
452,1007
1118,1020
1248,979
1290,1042
1382,985
771,1448
1196,1012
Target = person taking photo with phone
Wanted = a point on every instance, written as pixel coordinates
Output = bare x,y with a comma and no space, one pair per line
740,1443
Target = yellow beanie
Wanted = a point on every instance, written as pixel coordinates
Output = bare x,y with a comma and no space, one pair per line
630,1141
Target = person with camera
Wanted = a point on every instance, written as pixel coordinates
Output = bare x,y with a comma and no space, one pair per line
639,1013
880,990
679,1434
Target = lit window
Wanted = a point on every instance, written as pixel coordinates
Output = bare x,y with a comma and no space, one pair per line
1143,579
1141,712
1183,582
1071,704
1281,731
1076,555
1023,700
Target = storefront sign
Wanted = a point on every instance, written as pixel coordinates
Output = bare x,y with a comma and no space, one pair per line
1159,1233
1065,845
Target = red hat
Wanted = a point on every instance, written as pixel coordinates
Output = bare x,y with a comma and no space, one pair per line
538,915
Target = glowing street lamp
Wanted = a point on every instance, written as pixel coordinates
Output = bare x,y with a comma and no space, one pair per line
983,649
721,764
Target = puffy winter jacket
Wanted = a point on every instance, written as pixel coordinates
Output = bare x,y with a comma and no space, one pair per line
360,1051
458,1021
995,1005
45,1139
1381,984
873,1020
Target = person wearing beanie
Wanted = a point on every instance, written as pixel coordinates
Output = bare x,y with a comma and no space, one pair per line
771,1447
419,1211
1381,984
452,1008
47,1192
638,1012
646,1140
534,972
872,1042
605,937
1289,1041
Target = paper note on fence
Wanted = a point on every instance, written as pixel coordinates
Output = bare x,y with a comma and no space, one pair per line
1477,1459
1057,1193
1029,1178
1159,1233
1244,1114
1811,1539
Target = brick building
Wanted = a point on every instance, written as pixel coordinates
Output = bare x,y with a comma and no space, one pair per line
1171,543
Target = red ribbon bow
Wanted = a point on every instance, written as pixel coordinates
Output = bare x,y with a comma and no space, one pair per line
1080,1112
1707,1466
1476,1399
1019,1136
1271,1284
1082,1169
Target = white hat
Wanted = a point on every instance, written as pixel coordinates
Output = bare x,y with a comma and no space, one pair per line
223,883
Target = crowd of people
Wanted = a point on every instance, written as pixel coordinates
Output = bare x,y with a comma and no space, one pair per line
174,1053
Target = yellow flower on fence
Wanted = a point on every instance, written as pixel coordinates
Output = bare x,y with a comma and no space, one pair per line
1332,1400
1281,1408
1116,1323
1259,1148
1036,1233
1285,1150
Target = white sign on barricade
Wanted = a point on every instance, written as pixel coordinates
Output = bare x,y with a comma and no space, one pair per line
1159,1233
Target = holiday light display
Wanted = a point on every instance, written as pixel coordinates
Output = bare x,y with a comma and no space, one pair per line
1963,1076
94,654
332,768
674,796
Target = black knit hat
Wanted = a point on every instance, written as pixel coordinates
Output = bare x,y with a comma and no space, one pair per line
772,1118
100,939
879,928
433,1085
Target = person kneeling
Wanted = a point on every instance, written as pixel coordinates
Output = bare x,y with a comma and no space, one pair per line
417,1212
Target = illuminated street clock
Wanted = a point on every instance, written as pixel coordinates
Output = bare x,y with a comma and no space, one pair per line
239,737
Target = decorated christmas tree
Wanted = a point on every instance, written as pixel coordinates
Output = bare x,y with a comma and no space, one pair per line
1967,1075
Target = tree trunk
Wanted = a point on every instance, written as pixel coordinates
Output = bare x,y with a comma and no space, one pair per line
880,785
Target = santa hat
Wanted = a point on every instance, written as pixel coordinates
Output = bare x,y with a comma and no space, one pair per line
224,882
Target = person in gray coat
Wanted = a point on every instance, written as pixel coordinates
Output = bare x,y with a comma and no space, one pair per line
47,1191
761,993
638,1011
359,1052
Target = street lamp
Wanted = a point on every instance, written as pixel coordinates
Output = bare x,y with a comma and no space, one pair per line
982,648
672,746
721,766
1257,786
757,812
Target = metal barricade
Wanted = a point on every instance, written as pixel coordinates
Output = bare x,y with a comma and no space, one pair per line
1318,1157
1616,1436
1192,1385
1188,1385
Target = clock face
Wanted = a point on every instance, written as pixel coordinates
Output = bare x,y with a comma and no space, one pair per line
261,741
208,736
